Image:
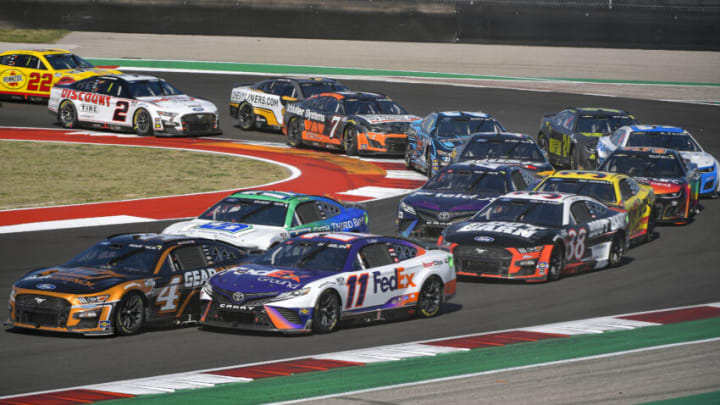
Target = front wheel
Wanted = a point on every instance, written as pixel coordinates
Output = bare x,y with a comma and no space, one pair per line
246,117
142,123
67,114
408,164
327,312
574,159
350,141
555,267
294,133
617,250
430,298
129,314
542,142
428,165
650,232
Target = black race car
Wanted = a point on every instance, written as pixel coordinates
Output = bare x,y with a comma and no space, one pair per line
504,148
570,136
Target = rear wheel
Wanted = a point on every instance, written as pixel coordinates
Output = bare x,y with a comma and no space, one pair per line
574,159
650,233
617,250
350,141
142,123
246,117
428,165
555,267
327,312
129,314
408,164
67,114
542,142
430,298
294,133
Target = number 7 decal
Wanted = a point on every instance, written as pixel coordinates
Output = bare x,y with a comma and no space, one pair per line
334,122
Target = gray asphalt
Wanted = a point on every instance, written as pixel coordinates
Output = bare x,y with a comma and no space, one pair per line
676,269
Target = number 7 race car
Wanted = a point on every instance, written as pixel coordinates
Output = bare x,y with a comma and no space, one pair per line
311,282
144,104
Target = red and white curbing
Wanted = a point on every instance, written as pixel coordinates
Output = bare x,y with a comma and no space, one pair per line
249,372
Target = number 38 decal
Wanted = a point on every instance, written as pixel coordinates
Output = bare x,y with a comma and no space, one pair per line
575,244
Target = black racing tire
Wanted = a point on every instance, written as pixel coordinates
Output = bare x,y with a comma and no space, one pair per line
326,314
350,141
142,123
574,159
408,163
428,165
430,298
294,133
129,314
650,234
617,251
246,117
67,115
542,142
557,262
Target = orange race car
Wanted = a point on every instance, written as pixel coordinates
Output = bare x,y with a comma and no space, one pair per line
30,74
358,123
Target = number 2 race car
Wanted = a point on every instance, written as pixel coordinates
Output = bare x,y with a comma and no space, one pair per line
30,74
120,284
311,282
144,104
257,220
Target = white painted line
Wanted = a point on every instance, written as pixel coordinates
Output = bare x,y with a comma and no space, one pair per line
355,357
405,174
212,378
125,388
423,349
588,326
74,223
169,383
377,192
393,354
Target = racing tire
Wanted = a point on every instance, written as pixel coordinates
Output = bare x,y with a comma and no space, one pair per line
573,158
294,133
430,297
246,117
142,123
650,234
428,165
129,314
542,142
557,262
67,115
408,163
617,251
326,314
350,141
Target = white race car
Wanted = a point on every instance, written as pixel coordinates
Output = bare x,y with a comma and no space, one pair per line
145,104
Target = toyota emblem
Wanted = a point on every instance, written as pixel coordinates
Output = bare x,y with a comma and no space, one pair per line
444,216
238,296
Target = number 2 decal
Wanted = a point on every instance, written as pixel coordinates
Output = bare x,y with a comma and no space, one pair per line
121,111
40,82
576,244
353,281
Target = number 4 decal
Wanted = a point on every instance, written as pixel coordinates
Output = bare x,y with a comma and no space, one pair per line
169,296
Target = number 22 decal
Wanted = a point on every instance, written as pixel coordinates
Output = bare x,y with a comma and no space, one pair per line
121,111
353,281
39,82
575,248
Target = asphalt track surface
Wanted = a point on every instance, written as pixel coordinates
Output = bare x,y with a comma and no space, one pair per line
677,269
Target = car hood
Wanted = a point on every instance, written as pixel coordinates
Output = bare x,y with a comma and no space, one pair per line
258,279
181,103
701,159
532,166
73,280
449,201
499,233
243,235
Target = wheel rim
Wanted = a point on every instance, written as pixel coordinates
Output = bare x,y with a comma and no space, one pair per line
616,252
142,121
349,139
328,311
67,113
245,116
131,313
430,297
293,130
555,265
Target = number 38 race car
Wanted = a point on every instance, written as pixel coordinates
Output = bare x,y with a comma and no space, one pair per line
311,282
144,104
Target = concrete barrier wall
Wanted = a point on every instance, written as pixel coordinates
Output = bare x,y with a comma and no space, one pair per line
652,24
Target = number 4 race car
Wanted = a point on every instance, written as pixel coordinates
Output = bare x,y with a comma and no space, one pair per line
144,104
312,282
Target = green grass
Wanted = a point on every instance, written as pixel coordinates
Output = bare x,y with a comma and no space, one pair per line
31,36
44,174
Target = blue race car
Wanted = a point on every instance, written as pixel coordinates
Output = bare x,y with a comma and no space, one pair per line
455,194
432,140
505,148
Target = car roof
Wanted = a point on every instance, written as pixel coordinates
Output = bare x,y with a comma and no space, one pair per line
480,164
128,77
587,175
498,135
545,196
152,239
279,196
36,52
647,150
340,237
597,111
657,128
352,94
302,80
472,114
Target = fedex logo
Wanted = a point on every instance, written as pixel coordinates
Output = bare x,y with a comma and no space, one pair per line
399,280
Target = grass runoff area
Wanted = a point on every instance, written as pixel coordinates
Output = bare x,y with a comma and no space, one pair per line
31,36
308,385
45,174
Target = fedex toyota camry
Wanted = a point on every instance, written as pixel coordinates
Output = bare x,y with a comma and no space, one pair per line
146,105
312,282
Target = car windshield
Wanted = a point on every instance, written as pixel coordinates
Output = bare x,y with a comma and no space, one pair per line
525,150
310,89
121,258
152,88
468,181
535,212
602,124
366,106
651,165
302,254
248,211
453,127
602,190
61,61
681,142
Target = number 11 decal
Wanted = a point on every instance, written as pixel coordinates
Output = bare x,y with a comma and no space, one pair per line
352,281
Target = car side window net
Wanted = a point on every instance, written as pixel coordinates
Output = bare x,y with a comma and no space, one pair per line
189,257
375,255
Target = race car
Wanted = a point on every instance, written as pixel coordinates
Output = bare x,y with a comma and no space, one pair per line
263,104
312,282
570,136
666,137
358,123
504,148
432,140
120,284
30,74
144,104
614,190
674,181
257,220
457,193
537,236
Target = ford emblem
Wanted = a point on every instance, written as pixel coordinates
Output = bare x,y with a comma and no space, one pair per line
198,109
484,239
238,296
45,286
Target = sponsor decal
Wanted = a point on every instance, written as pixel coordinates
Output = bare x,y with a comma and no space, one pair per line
12,79
104,324
89,108
197,278
487,239
433,263
542,266
225,227
521,230
92,98
45,286
398,280
279,282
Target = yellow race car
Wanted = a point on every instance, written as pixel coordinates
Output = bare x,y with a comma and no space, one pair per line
616,190
30,74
